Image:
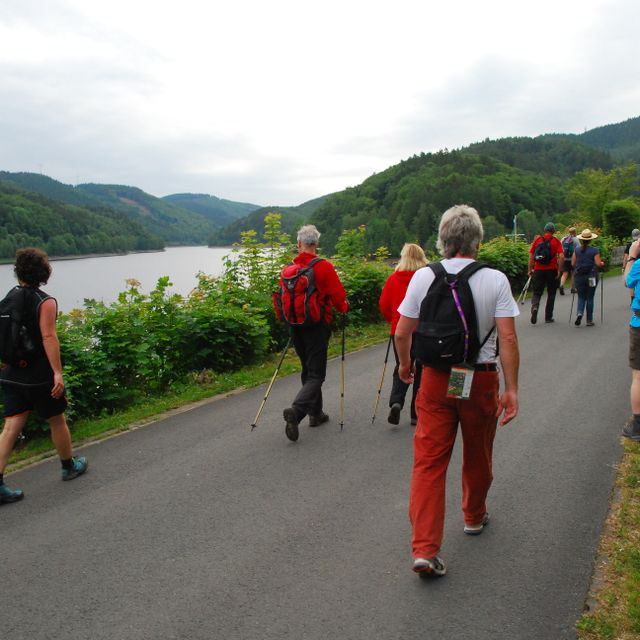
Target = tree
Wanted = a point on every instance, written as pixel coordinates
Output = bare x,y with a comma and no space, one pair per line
620,217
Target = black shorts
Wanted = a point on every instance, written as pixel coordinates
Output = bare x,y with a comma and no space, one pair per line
634,348
566,266
20,399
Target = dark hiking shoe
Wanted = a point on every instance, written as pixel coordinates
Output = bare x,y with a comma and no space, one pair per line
429,567
291,426
631,430
534,316
549,320
578,320
394,413
574,290
79,466
316,421
561,290
10,495
477,529
414,422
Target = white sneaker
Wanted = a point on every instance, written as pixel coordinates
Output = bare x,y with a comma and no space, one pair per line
477,529
429,567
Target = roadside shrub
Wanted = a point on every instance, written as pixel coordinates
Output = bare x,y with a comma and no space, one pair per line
363,282
620,217
510,257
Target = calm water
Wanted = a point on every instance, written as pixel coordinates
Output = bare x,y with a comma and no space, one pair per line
104,278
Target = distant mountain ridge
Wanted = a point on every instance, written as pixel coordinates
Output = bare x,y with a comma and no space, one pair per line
292,219
220,211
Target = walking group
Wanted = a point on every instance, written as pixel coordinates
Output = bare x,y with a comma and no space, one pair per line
446,322
553,261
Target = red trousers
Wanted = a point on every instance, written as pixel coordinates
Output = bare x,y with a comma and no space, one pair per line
435,435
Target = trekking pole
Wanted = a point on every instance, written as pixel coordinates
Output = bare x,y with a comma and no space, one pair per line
254,424
384,368
601,299
523,295
573,296
344,322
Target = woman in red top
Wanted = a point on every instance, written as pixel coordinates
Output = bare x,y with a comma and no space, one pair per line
412,258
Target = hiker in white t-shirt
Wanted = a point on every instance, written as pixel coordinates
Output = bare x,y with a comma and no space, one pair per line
460,234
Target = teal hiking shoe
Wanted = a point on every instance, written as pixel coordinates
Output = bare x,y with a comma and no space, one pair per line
10,495
79,467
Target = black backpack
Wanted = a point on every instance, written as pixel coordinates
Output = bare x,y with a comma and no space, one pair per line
18,346
542,253
447,332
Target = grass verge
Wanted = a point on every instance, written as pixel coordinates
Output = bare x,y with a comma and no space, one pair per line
615,597
197,388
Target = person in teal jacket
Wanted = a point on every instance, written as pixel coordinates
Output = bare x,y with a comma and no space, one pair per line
632,280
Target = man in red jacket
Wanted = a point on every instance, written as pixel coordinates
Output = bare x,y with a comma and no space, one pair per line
546,259
311,341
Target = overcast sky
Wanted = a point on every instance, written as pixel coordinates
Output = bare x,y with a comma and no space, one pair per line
283,101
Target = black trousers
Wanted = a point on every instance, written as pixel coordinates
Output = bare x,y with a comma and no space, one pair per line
544,279
311,345
399,389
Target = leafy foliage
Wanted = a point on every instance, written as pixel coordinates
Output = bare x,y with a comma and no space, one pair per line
620,216
509,257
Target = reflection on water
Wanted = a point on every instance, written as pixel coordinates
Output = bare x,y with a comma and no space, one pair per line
104,278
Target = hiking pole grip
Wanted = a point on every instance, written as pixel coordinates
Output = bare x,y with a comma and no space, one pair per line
384,368
254,424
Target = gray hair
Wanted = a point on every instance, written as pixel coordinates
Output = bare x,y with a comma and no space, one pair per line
309,235
460,232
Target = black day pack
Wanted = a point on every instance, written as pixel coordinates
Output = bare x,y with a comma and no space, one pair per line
17,345
447,332
542,253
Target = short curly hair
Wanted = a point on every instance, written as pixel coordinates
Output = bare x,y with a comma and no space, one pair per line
32,266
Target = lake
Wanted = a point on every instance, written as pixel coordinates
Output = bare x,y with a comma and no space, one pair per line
103,278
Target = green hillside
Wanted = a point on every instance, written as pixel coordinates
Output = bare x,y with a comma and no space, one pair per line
163,219
621,140
219,211
292,219
30,219
173,224
405,202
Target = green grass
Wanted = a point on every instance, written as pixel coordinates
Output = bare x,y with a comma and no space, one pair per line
197,388
616,613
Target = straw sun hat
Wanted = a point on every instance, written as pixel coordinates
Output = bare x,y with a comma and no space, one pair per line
587,234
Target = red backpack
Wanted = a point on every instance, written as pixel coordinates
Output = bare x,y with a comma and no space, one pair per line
297,301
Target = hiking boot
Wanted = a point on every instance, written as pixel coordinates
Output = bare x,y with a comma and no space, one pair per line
574,290
79,466
561,290
291,427
578,320
414,422
477,529
316,421
429,567
534,316
549,320
394,413
10,495
631,430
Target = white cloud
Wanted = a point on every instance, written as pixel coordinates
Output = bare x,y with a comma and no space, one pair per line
281,102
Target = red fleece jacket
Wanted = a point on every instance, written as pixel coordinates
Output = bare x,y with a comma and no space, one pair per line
392,295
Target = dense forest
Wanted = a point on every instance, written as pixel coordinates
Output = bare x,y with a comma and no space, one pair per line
30,219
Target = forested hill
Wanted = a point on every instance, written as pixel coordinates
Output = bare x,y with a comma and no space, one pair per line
621,140
292,219
405,202
173,224
219,211
31,219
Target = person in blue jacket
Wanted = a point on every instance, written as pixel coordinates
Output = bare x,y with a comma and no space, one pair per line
632,279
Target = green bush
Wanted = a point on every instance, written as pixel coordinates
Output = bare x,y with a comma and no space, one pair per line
363,282
620,217
512,258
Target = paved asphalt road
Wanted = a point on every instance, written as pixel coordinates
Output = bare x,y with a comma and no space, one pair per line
196,528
